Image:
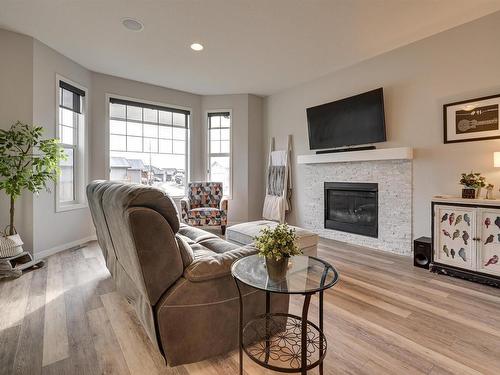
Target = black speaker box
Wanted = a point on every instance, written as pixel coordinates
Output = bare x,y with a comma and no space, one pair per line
422,252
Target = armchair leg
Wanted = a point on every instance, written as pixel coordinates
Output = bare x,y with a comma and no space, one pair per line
223,229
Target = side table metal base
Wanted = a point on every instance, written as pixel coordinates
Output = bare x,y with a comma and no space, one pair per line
275,341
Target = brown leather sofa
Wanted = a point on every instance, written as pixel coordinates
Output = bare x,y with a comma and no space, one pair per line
177,277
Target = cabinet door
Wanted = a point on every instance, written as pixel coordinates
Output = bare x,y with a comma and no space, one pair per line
489,248
454,230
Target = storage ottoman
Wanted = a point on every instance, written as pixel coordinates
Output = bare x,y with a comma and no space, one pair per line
244,234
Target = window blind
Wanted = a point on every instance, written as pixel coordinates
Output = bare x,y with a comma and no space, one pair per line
146,105
71,97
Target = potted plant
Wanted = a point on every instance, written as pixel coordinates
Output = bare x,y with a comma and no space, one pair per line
277,245
472,183
27,162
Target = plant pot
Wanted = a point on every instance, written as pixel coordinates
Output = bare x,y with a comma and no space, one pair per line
276,269
10,246
468,193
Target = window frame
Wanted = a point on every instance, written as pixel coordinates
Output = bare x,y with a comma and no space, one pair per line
208,147
187,162
80,158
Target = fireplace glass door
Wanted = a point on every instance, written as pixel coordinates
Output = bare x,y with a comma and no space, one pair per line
352,207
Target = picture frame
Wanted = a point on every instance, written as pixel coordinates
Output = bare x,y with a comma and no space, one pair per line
472,120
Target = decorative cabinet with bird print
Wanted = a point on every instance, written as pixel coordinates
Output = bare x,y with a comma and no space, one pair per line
466,238
455,231
489,249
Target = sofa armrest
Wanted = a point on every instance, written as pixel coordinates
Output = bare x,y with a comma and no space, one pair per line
216,266
223,204
223,210
185,207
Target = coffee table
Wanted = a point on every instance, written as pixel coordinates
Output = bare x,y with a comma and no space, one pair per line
280,341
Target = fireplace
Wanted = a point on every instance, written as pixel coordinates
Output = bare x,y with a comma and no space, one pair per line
352,207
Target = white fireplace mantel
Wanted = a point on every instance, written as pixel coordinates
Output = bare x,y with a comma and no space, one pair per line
399,153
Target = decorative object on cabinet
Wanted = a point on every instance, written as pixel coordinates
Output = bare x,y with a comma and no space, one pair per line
468,193
489,191
474,254
422,252
471,120
472,183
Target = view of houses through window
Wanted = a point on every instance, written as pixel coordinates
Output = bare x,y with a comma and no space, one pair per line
148,145
70,120
219,145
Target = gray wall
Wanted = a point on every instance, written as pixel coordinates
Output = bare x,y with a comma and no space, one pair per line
28,93
418,79
247,185
16,103
238,104
256,156
53,229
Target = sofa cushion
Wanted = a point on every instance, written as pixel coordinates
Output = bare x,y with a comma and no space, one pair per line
218,245
195,234
207,241
200,251
205,211
216,266
245,233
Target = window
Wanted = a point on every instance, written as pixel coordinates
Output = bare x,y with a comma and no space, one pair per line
71,133
219,149
148,145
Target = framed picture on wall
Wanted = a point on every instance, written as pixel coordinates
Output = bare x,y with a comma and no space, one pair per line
472,120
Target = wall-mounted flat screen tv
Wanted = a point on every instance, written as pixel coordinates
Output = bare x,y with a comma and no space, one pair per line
357,120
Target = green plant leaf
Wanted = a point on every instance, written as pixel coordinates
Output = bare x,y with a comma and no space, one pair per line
27,162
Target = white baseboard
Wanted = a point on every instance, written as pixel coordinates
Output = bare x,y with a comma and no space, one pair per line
46,253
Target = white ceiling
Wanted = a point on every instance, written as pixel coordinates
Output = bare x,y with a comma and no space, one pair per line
251,46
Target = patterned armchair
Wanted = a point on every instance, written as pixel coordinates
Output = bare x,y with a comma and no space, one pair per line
205,205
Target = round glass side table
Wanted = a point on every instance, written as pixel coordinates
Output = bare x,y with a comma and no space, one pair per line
280,341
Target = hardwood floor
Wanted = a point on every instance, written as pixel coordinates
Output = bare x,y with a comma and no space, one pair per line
383,317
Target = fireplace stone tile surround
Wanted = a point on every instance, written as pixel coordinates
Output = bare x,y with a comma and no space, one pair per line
394,179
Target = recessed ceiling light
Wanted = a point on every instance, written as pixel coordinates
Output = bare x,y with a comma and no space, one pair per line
196,47
132,24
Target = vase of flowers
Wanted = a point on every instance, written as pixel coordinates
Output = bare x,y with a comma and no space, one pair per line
472,183
277,245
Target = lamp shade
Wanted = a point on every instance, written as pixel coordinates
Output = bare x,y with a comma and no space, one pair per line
496,159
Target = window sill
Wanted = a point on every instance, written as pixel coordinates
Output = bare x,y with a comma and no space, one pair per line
71,207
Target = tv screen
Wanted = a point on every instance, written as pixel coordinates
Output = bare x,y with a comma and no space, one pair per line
356,120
